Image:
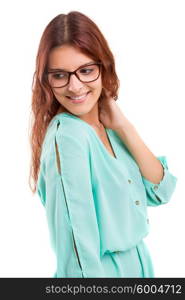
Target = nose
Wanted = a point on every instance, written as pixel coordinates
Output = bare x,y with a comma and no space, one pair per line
74,83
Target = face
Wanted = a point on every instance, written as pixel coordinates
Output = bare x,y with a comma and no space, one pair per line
69,59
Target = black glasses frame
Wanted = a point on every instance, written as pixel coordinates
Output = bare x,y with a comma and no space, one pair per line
74,72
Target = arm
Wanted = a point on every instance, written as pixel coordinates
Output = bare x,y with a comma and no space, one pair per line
162,192
158,181
79,237
150,167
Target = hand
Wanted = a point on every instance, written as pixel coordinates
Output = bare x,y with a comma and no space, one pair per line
110,114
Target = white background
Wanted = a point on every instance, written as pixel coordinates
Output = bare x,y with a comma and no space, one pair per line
147,38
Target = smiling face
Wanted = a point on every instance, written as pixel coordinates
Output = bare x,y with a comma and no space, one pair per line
73,97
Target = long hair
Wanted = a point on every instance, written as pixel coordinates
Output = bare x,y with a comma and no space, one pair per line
77,30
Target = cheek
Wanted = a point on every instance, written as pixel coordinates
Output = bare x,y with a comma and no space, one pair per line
59,94
97,87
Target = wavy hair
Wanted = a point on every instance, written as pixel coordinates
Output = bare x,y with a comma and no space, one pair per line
77,30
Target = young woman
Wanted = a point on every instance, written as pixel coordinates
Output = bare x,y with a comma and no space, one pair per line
91,169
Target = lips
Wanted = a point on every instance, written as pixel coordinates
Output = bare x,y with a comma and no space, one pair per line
78,97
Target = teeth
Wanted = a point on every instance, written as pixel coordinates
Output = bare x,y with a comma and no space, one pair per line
79,97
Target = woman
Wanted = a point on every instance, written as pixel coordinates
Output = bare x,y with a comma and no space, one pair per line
92,171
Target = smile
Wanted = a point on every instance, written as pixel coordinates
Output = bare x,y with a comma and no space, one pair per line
78,99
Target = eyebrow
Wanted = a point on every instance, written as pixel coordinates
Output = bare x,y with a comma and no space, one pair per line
59,69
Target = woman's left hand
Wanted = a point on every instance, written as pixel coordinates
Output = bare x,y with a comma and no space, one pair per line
111,115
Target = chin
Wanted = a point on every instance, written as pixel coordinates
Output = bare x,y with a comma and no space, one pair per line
81,113
80,110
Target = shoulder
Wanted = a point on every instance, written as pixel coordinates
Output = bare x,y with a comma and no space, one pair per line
67,131
68,136
71,127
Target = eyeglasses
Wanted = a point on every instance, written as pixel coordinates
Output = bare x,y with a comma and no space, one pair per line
86,73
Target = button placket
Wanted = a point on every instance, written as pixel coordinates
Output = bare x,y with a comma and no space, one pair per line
137,202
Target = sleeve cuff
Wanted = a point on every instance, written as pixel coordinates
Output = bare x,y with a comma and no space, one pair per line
160,193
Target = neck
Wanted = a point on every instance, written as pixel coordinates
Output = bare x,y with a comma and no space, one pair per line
92,117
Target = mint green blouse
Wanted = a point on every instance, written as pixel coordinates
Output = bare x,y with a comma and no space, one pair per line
97,204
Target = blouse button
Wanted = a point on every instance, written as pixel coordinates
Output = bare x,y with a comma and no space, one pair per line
147,221
129,181
155,187
137,202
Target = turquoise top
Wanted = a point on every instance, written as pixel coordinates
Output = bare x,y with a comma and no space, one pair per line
98,203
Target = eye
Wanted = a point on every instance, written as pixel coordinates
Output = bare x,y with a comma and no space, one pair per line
59,75
86,70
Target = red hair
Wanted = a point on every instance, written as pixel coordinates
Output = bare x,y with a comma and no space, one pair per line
77,30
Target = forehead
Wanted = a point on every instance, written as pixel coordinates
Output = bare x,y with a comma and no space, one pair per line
67,57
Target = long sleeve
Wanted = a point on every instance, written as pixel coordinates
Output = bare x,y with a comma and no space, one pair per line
77,234
160,193
41,186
